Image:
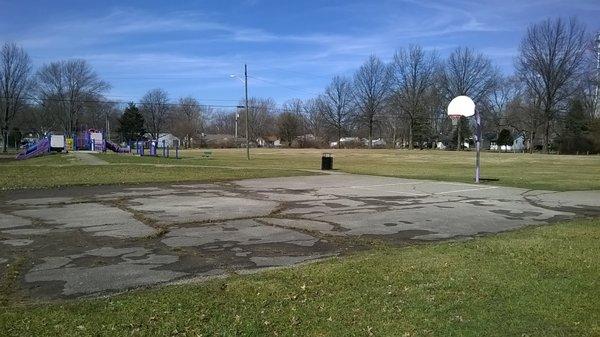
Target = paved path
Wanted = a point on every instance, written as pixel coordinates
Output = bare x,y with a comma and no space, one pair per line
87,158
95,240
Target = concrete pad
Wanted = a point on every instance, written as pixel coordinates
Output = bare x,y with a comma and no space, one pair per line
90,279
241,232
77,243
99,219
17,242
100,279
27,231
41,201
304,224
11,221
182,208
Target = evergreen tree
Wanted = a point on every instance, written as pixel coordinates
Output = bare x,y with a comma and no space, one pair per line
505,138
131,123
465,132
575,129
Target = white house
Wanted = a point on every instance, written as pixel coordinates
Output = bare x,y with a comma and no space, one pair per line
377,142
518,145
169,140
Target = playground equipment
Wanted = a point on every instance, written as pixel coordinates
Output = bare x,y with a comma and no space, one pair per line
43,146
116,148
152,146
91,140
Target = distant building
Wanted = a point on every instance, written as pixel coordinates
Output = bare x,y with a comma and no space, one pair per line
378,142
518,145
268,141
169,140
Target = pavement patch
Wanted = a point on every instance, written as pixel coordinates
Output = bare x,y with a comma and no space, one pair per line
247,232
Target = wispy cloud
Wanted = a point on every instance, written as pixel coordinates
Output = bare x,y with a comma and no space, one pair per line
199,47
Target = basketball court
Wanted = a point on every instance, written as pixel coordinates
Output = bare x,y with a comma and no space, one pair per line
88,241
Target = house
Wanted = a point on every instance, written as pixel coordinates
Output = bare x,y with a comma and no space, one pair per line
378,142
345,142
518,145
169,140
268,141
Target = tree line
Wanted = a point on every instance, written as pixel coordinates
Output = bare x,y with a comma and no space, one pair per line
551,100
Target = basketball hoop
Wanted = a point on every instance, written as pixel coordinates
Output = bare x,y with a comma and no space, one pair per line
455,119
464,106
460,106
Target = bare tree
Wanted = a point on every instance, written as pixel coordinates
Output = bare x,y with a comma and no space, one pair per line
524,114
261,121
289,125
155,108
414,73
313,124
337,104
372,83
470,74
65,87
590,83
188,120
550,64
15,83
494,110
222,122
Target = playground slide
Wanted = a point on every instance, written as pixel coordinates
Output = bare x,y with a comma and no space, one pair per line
116,148
38,149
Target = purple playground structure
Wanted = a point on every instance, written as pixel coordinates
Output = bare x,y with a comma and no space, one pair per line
38,149
116,148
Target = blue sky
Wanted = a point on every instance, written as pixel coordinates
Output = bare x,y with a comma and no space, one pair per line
292,48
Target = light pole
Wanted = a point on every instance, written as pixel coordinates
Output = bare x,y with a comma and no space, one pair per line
245,81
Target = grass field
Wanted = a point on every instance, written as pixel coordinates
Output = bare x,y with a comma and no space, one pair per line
540,281
63,170
537,171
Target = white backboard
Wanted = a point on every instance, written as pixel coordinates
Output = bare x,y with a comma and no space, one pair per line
461,106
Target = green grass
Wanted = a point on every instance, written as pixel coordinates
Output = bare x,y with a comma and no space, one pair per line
540,281
533,171
45,177
537,171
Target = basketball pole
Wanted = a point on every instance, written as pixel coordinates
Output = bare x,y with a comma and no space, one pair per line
478,146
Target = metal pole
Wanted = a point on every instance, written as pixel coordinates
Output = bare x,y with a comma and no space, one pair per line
478,145
458,134
597,96
107,127
246,89
237,115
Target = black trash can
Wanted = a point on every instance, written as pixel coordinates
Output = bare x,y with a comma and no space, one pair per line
326,161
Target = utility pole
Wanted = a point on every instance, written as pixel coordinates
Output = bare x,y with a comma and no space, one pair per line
247,108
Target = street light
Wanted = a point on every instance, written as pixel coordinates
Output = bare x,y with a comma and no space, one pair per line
245,81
